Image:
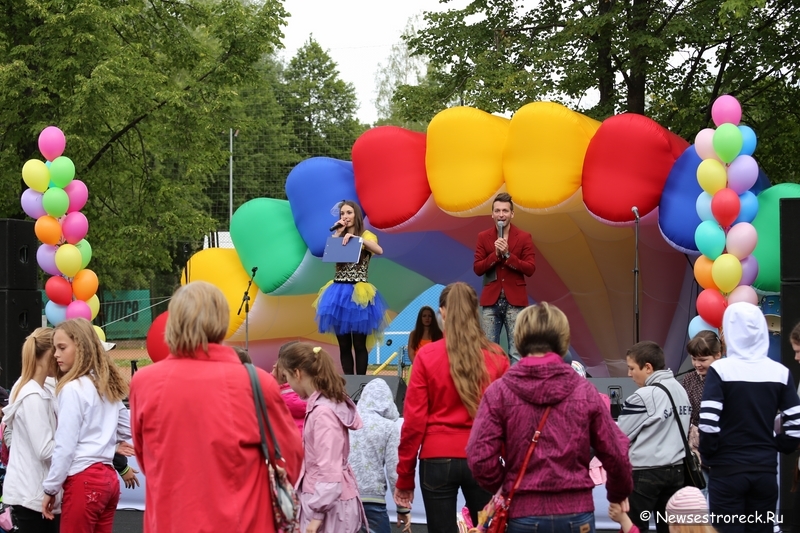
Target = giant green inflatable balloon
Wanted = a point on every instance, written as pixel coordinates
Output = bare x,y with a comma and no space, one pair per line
768,226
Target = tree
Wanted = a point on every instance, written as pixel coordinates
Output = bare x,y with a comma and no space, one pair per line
140,90
320,107
401,68
668,60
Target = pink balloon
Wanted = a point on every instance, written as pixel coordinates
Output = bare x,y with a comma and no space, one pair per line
741,240
749,270
32,203
52,142
703,144
74,227
743,293
726,108
77,194
79,309
742,173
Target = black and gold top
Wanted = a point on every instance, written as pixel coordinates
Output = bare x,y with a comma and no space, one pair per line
356,272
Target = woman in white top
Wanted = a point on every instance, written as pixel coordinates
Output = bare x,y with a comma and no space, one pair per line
31,419
91,421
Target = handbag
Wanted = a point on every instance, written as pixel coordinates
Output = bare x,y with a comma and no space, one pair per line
495,514
285,506
692,475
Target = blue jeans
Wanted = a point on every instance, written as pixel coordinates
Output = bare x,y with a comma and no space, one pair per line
494,317
560,523
440,480
377,517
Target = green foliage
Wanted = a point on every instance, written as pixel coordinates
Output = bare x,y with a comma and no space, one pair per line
667,60
320,107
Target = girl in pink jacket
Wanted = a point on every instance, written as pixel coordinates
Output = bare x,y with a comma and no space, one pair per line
328,491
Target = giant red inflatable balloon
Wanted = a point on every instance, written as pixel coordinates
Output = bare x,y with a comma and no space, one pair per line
157,347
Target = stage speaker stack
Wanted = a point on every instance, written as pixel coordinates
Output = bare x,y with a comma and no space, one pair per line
355,386
790,316
20,301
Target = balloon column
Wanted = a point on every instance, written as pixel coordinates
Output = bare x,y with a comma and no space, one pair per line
727,208
55,199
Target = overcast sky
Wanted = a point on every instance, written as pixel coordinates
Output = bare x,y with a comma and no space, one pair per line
358,34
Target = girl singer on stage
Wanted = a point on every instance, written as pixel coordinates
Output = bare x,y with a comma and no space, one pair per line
349,306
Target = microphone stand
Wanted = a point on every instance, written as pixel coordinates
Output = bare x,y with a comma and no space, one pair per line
246,305
636,277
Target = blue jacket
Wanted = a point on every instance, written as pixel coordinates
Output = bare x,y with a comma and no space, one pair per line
742,394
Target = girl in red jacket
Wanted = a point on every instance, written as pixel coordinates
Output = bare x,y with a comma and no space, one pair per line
446,386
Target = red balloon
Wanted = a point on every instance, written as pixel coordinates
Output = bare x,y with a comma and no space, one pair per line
711,306
725,207
157,347
58,290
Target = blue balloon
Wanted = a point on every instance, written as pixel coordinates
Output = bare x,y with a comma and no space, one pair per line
748,140
710,239
698,324
56,314
703,206
748,209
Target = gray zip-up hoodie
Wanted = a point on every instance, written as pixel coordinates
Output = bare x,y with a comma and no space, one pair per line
647,419
373,448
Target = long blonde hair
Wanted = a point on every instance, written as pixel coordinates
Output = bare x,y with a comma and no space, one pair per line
37,345
91,360
465,341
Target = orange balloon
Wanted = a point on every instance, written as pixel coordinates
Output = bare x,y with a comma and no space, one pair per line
84,284
48,230
702,272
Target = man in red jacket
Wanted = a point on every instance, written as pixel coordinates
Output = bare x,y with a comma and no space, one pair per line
503,260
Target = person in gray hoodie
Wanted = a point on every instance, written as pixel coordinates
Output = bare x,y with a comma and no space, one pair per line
373,454
657,449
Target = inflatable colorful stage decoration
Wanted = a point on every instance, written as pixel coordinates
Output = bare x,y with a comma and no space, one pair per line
574,182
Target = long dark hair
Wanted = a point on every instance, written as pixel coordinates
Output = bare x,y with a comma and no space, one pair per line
358,223
419,329
318,365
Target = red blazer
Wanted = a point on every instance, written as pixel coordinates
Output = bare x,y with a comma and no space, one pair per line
511,272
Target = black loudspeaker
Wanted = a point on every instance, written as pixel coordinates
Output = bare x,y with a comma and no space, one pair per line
18,245
20,314
355,385
790,240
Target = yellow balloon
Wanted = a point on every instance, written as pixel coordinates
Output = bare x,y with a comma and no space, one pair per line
727,272
712,176
100,333
68,259
94,305
36,175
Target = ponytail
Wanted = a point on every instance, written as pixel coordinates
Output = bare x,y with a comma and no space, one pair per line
37,345
318,365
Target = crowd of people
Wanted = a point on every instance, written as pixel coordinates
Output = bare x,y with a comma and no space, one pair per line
475,419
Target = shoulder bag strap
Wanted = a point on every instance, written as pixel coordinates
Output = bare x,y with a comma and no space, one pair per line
534,441
677,419
261,414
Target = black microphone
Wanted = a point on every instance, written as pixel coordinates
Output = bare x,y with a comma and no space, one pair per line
635,211
255,269
500,225
336,226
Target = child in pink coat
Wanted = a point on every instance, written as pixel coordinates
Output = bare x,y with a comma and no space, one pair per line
328,492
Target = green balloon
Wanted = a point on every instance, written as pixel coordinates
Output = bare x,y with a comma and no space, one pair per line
86,252
768,226
727,142
277,259
55,202
62,171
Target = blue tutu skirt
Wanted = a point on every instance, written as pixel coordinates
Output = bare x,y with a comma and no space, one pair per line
350,308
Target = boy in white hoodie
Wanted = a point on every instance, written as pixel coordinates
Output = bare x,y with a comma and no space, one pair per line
373,454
